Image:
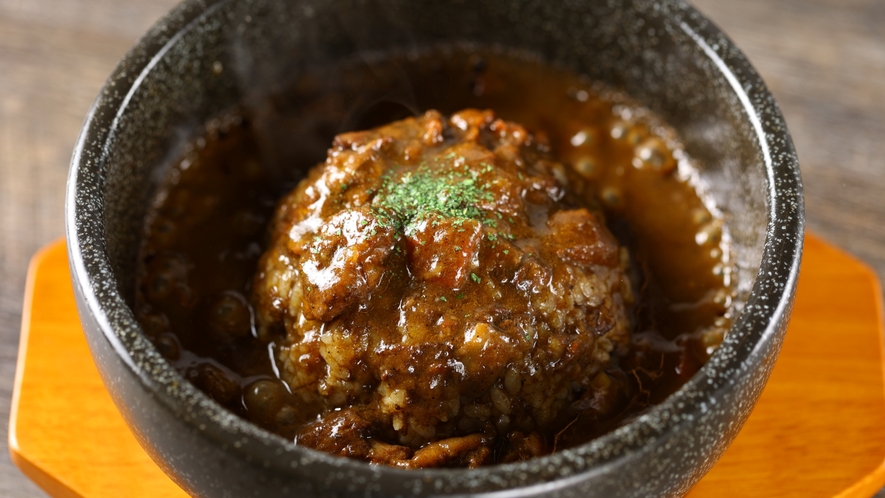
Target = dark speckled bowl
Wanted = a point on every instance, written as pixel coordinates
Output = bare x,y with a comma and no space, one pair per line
193,64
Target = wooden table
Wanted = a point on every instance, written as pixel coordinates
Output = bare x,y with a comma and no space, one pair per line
824,60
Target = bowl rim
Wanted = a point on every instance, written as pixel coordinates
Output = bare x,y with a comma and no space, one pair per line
760,321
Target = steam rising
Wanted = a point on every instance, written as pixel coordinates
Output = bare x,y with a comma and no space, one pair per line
298,94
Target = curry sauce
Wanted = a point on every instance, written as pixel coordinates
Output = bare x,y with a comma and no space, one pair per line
629,216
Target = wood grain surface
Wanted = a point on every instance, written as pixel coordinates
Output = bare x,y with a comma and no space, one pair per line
824,60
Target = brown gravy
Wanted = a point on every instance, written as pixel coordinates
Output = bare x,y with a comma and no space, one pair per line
207,226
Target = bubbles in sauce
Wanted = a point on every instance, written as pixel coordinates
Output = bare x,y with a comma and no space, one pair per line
206,229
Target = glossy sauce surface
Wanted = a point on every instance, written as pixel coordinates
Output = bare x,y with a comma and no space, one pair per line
208,226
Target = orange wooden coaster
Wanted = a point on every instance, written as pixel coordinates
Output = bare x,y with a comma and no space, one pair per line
818,429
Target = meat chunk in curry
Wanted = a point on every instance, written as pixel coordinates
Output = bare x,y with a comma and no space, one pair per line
441,295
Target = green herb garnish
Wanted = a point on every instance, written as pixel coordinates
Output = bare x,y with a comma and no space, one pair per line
403,200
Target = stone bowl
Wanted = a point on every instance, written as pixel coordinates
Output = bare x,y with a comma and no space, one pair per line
665,55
